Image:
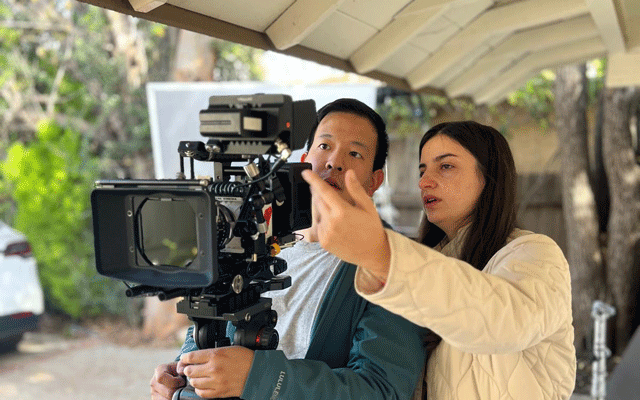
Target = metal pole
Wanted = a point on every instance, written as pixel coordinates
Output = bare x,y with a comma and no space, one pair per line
600,312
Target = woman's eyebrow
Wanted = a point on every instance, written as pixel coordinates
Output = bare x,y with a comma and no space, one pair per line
438,158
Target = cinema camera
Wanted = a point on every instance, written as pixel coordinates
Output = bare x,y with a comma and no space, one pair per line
213,240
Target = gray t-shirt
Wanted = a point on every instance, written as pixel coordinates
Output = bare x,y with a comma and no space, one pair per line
311,269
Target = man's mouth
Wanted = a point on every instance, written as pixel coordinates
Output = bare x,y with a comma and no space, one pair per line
333,183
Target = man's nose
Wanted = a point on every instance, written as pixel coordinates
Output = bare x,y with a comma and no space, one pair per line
335,162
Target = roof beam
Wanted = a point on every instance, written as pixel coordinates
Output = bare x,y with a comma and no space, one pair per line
299,20
404,27
515,16
606,18
514,77
530,40
629,17
181,18
145,6
622,70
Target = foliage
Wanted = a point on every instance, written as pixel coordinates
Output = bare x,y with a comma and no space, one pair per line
50,180
73,109
408,114
596,70
537,93
536,96
402,115
236,62
65,104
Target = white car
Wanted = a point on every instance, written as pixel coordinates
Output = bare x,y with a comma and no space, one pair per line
21,296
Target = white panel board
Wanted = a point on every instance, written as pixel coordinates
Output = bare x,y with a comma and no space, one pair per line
174,113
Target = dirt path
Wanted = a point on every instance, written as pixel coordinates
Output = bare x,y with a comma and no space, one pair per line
87,369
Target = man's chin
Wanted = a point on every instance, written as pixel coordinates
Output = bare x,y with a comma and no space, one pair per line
347,198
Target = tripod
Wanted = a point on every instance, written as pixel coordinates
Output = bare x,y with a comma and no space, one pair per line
250,314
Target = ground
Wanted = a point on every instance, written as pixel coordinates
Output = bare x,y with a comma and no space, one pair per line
118,332
112,329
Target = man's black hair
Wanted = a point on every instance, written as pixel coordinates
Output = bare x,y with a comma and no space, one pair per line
356,107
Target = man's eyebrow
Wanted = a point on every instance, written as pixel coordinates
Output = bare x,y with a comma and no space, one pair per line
438,158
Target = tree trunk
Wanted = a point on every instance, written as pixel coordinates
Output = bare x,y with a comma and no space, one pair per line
578,203
623,248
195,59
128,43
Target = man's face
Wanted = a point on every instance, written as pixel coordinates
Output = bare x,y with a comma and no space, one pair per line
345,141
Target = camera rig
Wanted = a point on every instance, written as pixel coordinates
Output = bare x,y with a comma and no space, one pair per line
213,240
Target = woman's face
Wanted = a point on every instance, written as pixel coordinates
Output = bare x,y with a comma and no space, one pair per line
450,183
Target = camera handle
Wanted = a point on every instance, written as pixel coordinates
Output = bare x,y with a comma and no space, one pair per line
254,329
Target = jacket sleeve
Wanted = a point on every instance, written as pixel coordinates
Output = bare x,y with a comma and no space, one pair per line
522,297
386,361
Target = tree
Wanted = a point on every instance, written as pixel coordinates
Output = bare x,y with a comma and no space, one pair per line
581,219
622,166
67,99
614,278
50,179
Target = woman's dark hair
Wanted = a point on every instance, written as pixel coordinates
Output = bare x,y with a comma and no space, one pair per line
356,107
494,216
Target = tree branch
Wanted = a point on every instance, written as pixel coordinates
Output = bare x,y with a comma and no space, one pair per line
54,96
32,26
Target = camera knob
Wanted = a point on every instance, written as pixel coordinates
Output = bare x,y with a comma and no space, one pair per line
267,338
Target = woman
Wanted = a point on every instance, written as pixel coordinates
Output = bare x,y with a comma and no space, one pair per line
499,297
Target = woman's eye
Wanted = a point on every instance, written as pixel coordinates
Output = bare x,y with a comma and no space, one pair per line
446,166
356,154
323,146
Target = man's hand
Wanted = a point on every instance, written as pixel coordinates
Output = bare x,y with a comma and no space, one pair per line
352,232
219,372
166,381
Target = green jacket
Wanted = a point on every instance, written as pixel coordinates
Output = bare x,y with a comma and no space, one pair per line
358,351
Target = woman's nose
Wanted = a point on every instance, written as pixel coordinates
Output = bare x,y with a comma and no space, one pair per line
426,182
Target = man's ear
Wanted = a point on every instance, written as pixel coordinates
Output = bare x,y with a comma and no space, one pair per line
377,178
303,157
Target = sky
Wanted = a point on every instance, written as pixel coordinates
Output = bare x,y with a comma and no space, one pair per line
280,68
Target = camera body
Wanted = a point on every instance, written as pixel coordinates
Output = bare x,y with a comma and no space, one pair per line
212,235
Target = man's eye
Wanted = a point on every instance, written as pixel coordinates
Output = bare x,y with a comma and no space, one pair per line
446,166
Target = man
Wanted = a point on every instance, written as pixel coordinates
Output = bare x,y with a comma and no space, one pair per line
333,344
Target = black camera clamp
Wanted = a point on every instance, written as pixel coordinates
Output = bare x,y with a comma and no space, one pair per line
250,314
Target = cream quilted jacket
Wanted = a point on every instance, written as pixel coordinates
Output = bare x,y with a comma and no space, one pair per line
506,331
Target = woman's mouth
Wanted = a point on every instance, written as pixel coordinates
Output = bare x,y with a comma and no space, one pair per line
430,201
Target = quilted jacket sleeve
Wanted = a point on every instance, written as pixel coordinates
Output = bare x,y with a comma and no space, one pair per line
522,296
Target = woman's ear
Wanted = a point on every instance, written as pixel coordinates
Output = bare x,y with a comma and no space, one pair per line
303,157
